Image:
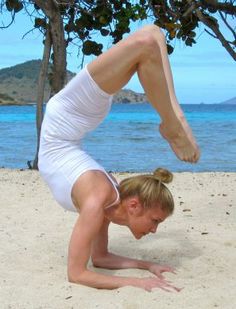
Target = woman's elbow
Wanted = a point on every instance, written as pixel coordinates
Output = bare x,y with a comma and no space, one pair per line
100,260
96,261
74,276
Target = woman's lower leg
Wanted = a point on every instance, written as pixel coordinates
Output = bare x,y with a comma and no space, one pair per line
156,78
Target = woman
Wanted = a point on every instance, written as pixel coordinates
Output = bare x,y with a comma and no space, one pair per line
80,184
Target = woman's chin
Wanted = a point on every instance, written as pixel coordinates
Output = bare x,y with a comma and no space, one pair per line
138,235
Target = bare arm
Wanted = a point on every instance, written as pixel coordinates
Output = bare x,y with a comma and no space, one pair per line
113,261
101,257
85,230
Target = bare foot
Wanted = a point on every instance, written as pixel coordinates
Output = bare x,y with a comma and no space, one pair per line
181,140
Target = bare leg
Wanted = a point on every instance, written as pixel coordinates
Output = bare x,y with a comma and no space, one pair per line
145,52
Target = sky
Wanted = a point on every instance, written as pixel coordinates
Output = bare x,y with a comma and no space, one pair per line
204,73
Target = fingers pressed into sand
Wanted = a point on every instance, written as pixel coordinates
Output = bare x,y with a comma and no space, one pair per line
151,283
168,269
163,270
169,287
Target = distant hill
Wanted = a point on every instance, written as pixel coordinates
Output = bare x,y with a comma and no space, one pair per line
230,101
18,85
129,96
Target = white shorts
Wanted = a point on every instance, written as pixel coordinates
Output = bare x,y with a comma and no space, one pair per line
75,110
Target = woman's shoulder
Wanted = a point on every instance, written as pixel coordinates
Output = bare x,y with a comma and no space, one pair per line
94,188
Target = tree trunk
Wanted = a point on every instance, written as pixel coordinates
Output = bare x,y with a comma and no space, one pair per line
40,91
55,38
51,10
59,54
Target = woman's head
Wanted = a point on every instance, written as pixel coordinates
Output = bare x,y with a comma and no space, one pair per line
148,202
150,190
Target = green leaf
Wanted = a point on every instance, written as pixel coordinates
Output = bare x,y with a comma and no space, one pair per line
212,9
91,47
179,34
190,41
104,32
10,5
69,27
40,23
18,7
192,34
170,49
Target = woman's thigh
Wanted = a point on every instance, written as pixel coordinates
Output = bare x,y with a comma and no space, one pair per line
114,68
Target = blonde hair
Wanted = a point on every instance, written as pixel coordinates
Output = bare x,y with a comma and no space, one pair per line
150,189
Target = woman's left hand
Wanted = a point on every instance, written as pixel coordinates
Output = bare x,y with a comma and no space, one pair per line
159,269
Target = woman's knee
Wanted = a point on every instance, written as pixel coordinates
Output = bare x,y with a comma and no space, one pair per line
154,30
149,39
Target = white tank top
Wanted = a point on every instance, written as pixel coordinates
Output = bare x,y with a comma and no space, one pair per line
115,185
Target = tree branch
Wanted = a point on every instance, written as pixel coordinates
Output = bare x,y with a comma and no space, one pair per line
227,8
12,20
28,33
228,25
193,6
50,7
215,28
211,34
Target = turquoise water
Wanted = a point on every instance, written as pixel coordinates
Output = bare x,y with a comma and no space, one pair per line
128,139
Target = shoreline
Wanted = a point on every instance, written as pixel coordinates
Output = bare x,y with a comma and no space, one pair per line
198,240
25,169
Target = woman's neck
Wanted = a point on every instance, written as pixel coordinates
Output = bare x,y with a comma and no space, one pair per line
117,214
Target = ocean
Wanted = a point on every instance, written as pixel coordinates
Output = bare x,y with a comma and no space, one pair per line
129,140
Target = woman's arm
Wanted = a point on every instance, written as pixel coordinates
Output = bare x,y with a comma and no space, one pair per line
113,261
86,228
85,231
104,259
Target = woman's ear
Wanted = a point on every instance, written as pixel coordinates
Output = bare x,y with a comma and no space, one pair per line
134,206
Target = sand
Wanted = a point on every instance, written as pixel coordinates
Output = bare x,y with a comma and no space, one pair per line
199,240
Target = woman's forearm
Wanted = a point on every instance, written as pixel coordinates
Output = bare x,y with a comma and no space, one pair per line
100,281
113,261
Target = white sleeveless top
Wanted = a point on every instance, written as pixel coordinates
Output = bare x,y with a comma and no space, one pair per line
77,109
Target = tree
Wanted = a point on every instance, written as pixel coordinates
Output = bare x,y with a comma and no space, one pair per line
65,21
76,21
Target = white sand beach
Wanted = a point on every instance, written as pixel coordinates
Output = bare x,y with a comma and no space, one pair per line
199,240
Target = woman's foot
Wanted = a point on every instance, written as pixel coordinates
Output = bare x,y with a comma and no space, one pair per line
181,140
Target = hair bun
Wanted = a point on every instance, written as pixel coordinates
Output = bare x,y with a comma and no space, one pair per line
163,175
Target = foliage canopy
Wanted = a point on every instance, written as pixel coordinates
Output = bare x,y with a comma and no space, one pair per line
179,19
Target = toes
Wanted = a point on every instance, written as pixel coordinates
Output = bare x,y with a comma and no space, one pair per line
196,156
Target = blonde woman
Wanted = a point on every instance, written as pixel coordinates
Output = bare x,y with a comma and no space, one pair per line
80,184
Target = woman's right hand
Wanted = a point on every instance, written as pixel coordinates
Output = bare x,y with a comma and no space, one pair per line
150,283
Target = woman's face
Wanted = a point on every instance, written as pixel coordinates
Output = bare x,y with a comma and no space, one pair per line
146,221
